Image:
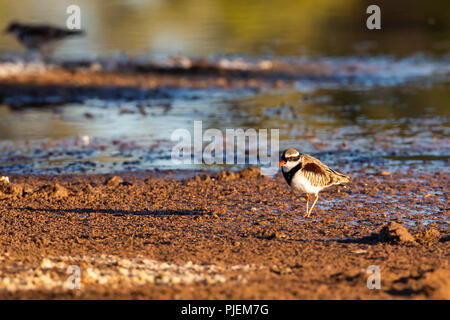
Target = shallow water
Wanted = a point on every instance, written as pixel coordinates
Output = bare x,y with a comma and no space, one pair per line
382,105
378,127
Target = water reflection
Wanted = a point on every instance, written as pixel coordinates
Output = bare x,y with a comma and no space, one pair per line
402,123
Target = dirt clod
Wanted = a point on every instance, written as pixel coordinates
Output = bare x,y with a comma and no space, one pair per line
225,175
430,236
114,181
250,172
396,233
247,173
282,270
54,191
266,234
7,188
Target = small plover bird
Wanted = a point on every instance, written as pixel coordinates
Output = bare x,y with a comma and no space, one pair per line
307,174
39,37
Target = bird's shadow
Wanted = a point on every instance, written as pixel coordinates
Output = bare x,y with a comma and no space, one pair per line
372,239
195,212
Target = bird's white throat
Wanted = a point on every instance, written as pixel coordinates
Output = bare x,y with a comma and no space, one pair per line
289,165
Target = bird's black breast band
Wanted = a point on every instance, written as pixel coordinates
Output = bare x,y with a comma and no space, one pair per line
290,174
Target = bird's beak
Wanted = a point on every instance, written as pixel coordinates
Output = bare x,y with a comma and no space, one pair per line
282,163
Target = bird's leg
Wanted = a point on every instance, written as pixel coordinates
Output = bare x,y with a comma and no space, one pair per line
314,203
45,52
307,205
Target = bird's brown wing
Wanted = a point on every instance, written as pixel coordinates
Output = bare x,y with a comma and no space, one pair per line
313,168
315,173
321,175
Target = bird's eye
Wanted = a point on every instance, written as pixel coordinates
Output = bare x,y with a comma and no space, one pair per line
290,158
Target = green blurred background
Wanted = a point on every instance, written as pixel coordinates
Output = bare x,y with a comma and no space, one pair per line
202,28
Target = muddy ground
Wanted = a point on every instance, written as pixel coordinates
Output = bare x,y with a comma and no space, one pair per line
154,235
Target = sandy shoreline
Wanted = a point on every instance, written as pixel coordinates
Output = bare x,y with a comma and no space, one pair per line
157,236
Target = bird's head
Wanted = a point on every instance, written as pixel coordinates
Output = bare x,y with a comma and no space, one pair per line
289,159
13,27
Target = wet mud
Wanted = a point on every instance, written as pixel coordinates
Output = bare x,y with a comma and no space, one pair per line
178,235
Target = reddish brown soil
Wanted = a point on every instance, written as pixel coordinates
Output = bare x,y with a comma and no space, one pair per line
233,220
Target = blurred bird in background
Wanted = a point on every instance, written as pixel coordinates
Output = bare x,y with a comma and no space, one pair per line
40,38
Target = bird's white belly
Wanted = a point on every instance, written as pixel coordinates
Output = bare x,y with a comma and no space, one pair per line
299,182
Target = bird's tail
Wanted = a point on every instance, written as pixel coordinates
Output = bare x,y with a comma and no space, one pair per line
343,178
339,178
